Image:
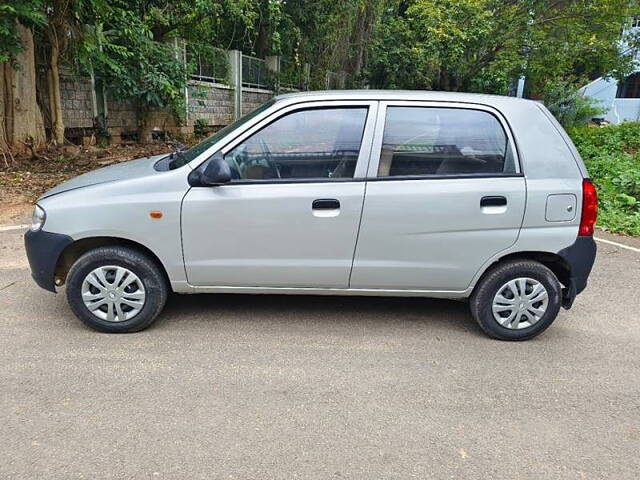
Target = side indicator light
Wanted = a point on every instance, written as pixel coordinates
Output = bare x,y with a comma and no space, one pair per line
155,214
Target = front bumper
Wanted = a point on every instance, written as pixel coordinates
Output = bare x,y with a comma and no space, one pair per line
580,258
43,251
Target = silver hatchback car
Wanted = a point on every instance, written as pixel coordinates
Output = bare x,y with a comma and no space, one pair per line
461,196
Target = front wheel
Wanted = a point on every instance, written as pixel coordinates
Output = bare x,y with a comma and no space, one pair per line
516,300
116,289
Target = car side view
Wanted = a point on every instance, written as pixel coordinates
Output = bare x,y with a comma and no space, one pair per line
387,193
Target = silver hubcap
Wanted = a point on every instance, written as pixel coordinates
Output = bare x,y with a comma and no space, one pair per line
520,303
113,293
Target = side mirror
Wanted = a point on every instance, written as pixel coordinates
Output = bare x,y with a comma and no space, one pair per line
214,172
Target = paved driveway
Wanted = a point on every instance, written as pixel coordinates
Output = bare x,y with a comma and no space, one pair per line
258,387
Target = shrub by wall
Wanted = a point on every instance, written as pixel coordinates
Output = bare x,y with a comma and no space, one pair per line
612,156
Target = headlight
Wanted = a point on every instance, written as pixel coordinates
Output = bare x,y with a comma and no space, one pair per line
38,218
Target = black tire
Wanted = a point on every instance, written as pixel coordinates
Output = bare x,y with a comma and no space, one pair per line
482,298
146,269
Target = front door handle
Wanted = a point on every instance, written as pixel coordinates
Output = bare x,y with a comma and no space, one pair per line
495,201
325,204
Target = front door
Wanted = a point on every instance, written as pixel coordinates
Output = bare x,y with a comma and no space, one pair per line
445,195
290,216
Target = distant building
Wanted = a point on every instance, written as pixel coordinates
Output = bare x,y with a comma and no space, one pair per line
620,99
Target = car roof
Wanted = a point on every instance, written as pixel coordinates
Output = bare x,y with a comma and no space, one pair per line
421,95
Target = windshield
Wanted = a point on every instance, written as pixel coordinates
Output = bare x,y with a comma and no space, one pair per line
183,157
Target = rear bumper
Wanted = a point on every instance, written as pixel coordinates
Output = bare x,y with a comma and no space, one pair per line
580,257
43,251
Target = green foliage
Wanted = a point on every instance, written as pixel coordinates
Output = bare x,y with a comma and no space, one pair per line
134,49
330,35
28,13
396,61
570,108
481,45
200,127
125,53
612,156
459,45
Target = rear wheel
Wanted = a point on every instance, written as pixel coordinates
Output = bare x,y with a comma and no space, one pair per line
116,289
516,300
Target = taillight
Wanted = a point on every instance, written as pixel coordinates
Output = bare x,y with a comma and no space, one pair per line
589,208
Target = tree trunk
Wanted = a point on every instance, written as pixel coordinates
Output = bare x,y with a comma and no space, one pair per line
55,104
145,131
367,18
21,122
443,80
358,42
6,109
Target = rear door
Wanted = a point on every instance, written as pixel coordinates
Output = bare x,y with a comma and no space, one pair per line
290,216
444,194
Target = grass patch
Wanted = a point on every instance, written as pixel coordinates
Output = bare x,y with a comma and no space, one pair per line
612,156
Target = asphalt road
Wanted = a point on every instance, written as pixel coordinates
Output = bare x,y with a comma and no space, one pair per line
260,387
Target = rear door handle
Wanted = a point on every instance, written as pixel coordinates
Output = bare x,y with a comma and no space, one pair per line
495,201
325,204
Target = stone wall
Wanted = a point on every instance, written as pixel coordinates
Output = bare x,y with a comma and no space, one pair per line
121,115
212,103
123,120
75,97
252,98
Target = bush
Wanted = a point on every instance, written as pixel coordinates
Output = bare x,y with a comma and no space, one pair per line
200,128
612,156
569,106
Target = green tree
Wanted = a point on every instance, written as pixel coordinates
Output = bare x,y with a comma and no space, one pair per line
131,48
481,45
26,12
330,35
135,47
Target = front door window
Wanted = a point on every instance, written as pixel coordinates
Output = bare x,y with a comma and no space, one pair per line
307,144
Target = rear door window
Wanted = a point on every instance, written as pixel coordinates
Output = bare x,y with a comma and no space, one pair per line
431,141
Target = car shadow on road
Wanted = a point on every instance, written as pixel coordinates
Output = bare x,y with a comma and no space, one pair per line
369,311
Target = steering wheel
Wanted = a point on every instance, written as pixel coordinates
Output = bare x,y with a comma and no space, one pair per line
268,158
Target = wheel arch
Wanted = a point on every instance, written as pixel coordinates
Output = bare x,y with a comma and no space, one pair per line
553,261
81,246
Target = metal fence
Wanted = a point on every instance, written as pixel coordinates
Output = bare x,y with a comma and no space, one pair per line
210,67
254,72
214,65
